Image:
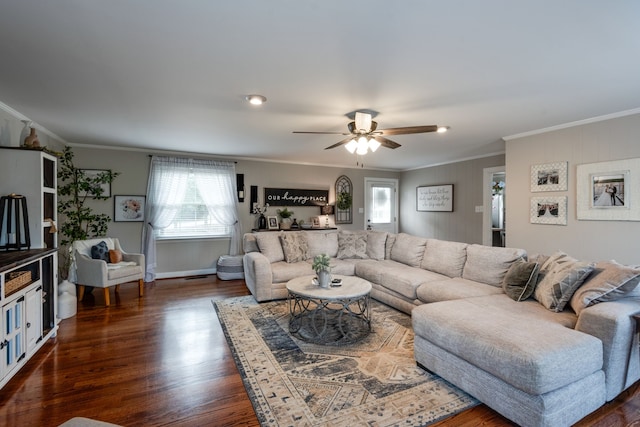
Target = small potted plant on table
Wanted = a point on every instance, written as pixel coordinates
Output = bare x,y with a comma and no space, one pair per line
323,269
286,215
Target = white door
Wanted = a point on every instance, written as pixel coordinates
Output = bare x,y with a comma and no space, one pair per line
381,204
34,317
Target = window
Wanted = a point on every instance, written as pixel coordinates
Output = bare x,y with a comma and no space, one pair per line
193,198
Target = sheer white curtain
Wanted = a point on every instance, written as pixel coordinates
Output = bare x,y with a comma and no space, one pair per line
168,182
216,182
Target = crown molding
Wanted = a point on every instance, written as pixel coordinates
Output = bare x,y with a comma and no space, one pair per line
574,124
18,115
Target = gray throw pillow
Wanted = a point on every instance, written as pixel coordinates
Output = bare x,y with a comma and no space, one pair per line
352,245
520,281
100,251
295,246
562,278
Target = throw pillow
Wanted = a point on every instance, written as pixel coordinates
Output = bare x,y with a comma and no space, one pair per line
100,251
352,245
295,246
563,275
520,280
608,282
115,256
391,240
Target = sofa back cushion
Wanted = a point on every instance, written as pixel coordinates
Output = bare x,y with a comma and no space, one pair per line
445,257
322,243
249,243
487,264
352,245
270,246
376,242
408,249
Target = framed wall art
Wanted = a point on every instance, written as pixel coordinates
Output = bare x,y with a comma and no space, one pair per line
609,191
128,208
272,223
548,210
549,177
434,198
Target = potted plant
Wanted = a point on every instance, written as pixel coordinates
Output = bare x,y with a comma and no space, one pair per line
323,269
286,215
80,221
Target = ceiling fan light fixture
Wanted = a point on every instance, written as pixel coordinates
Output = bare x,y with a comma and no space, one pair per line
363,122
363,145
373,145
351,146
256,99
442,129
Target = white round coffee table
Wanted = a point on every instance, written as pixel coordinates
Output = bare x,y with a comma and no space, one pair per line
333,316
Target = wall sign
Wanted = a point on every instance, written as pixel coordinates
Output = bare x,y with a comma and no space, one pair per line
435,198
295,197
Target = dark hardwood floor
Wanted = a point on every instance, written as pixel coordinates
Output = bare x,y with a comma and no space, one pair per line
163,360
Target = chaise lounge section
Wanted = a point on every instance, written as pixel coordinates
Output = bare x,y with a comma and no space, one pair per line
541,348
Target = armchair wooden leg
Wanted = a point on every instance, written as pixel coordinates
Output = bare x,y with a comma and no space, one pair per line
117,288
141,287
80,292
107,302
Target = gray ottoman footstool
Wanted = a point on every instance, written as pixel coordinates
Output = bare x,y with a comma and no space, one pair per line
229,267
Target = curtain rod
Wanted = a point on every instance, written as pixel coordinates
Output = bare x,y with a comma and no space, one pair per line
151,155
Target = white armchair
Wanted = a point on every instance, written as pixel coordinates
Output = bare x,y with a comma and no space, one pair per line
100,274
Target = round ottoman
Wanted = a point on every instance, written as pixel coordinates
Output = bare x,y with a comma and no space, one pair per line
229,267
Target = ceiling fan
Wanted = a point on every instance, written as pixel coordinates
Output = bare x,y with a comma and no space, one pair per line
364,134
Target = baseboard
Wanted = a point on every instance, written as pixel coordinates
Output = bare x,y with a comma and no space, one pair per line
174,274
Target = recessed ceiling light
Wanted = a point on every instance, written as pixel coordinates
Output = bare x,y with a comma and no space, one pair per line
256,99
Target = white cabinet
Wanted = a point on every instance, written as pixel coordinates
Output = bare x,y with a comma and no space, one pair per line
32,174
13,335
33,318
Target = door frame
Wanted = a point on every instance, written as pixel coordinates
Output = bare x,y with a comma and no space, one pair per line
487,177
395,182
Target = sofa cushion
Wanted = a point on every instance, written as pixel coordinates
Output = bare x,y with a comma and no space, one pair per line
294,246
445,257
453,288
376,241
487,264
283,271
406,280
322,243
521,279
562,275
609,281
352,245
270,246
408,249
517,342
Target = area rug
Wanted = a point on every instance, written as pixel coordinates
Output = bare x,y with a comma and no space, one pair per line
374,382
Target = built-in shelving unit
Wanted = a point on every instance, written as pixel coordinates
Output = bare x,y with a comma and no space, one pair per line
28,277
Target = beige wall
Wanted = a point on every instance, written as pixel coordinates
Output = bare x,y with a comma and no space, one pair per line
200,256
464,224
602,141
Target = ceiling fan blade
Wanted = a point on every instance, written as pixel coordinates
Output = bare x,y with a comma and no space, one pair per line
337,144
386,142
408,130
321,133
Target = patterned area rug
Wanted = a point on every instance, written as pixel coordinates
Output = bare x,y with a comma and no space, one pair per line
374,382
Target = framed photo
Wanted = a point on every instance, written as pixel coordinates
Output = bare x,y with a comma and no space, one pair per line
315,221
549,177
128,208
434,198
93,173
272,223
609,191
548,210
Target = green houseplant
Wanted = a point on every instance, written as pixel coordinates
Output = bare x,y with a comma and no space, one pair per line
80,221
286,215
323,269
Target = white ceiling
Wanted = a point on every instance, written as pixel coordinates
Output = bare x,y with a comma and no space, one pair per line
172,75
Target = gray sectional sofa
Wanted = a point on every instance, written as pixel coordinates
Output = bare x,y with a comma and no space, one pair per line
542,341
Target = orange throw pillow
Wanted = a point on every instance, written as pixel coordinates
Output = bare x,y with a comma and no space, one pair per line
115,256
